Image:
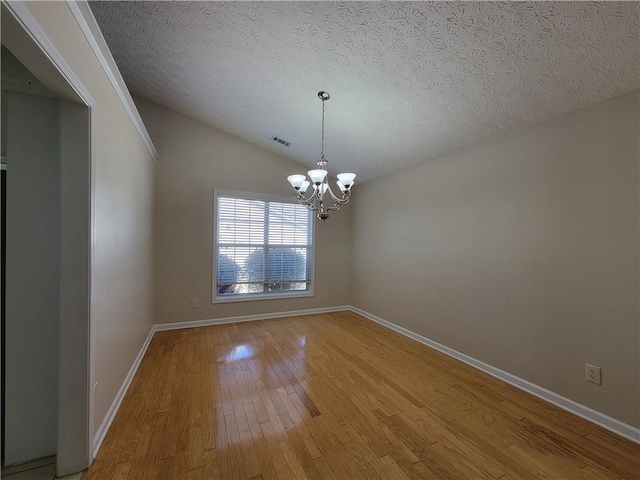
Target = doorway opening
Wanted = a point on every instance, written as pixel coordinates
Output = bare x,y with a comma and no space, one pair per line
31,273
46,252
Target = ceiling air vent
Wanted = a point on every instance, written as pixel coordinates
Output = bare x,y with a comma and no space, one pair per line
281,141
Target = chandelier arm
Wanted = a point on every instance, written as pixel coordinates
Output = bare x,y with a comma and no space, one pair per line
302,199
312,202
331,192
311,208
337,203
341,201
309,204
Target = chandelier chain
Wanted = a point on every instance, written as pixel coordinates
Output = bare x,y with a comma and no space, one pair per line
322,149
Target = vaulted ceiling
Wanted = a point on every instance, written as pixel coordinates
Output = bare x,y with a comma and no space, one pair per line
408,81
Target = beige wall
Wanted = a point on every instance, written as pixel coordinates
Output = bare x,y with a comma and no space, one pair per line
195,159
521,251
123,283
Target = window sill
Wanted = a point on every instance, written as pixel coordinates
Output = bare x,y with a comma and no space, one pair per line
257,296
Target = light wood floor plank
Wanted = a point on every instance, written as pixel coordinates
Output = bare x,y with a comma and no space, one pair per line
334,396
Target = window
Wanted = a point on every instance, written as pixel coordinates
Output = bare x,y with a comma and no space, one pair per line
263,247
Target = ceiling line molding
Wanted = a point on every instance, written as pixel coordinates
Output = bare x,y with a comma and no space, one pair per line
87,22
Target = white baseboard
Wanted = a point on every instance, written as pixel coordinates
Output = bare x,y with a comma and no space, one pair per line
115,406
616,426
247,318
113,410
624,430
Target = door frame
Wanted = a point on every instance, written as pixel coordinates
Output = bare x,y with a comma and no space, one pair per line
27,41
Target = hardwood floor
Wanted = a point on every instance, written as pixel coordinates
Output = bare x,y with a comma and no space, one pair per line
336,396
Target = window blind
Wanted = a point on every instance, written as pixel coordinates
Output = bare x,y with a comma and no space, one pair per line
263,246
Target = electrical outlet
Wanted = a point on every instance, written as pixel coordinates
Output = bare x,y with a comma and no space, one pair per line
593,374
194,303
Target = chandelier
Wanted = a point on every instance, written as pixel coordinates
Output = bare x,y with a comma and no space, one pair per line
322,199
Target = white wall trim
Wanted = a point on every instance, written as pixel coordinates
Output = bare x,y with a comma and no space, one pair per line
92,341
30,25
159,327
616,426
87,22
115,406
600,419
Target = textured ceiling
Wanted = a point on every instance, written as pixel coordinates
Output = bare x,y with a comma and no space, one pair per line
408,81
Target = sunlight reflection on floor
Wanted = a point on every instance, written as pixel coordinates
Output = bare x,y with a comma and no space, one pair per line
241,352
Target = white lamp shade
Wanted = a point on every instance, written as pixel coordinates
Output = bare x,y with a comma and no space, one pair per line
296,181
341,186
317,176
346,179
304,186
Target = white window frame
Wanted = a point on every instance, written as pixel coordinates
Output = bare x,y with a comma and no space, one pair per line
265,197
